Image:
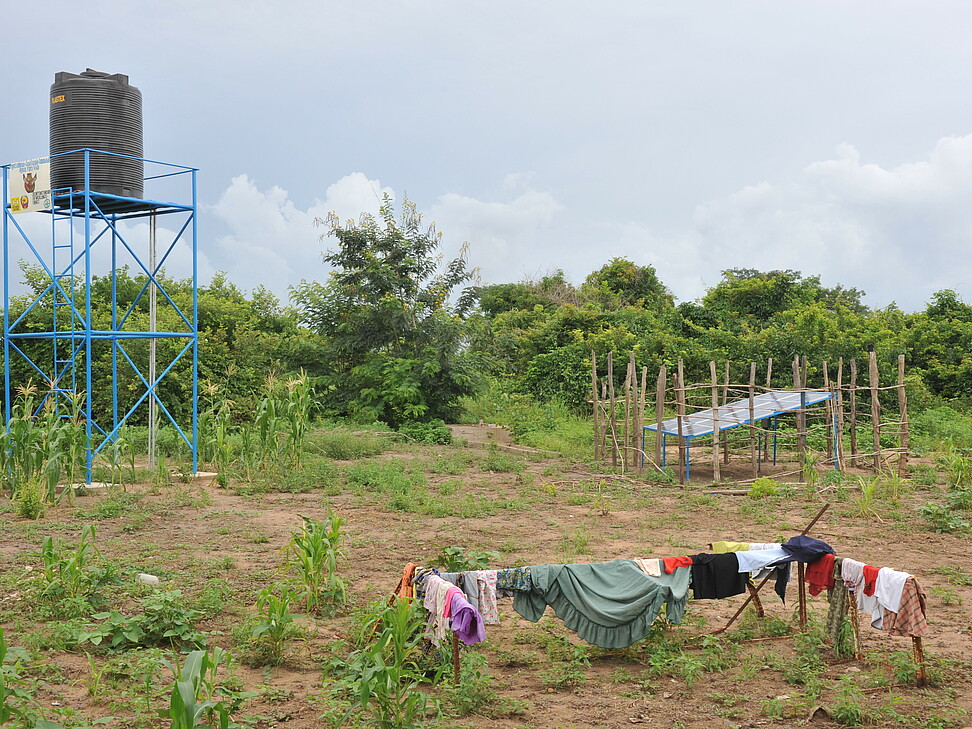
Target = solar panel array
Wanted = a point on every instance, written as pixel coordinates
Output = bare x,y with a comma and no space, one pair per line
734,414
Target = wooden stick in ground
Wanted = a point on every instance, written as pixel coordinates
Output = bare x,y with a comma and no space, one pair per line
769,386
716,474
801,441
872,372
920,678
627,418
660,410
634,442
830,414
855,620
641,415
759,587
840,414
725,433
853,412
680,405
612,423
605,425
455,659
597,407
754,460
757,603
903,409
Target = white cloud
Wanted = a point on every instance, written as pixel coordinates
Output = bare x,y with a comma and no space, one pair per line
504,237
900,233
271,242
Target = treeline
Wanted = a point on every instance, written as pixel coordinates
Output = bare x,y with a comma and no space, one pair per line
393,334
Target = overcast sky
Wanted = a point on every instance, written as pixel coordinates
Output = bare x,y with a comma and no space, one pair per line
834,138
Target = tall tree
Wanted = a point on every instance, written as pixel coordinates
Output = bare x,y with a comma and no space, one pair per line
394,337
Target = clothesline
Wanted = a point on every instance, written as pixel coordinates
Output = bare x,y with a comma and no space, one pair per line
613,604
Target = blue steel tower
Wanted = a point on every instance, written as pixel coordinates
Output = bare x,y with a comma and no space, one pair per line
90,231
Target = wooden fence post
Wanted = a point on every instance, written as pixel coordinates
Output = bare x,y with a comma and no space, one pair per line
875,407
801,440
680,402
597,408
660,387
853,412
839,455
903,409
716,474
725,434
613,420
753,447
641,418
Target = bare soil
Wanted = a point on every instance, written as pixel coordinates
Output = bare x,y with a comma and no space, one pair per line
563,512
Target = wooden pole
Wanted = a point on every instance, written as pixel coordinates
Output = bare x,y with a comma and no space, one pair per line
725,400
680,404
753,456
455,659
855,620
660,411
920,678
830,413
872,372
627,418
641,416
769,386
853,412
840,414
716,472
903,409
597,407
801,441
634,443
613,419
604,419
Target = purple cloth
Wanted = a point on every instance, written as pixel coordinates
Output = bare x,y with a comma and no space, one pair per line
466,620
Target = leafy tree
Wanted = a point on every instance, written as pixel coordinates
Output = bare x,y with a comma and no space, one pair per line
622,283
394,341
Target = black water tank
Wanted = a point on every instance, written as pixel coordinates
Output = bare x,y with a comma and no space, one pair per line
97,111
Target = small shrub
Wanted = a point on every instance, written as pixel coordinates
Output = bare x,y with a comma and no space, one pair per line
941,518
763,487
432,432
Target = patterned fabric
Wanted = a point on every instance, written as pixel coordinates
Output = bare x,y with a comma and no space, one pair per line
485,589
516,579
418,580
434,601
910,618
838,597
651,567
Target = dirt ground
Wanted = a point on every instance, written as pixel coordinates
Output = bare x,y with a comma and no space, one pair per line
547,511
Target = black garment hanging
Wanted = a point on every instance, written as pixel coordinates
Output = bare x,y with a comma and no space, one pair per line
715,576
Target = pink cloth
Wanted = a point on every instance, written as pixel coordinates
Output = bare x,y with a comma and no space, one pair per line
447,610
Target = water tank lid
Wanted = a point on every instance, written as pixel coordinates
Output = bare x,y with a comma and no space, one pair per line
119,78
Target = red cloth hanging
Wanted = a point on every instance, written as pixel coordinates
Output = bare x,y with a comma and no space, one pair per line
820,574
673,563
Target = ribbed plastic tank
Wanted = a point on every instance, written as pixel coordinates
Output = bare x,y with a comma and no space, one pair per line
101,111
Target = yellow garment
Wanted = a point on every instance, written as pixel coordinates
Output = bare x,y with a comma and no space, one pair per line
723,547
